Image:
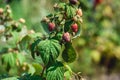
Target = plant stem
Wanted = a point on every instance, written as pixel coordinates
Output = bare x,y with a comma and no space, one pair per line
43,71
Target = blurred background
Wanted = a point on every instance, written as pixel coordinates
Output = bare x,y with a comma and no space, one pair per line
98,47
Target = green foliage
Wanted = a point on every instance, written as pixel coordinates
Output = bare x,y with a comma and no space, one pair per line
49,46
70,11
49,50
69,55
9,59
10,78
28,40
55,71
46,47
30,77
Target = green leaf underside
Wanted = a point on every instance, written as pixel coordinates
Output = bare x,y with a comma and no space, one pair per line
49,50
69,54
27,41
55,72
33,46
9,59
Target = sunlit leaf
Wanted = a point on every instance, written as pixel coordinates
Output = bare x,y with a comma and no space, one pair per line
49,50
55,72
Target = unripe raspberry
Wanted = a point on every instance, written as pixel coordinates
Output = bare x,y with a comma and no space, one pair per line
51,26
66,37
74,27
9,11
21,20
79,12
31,31
45,19
73,1
75,18
1,11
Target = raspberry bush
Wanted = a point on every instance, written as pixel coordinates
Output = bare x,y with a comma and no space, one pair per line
62,26
54,48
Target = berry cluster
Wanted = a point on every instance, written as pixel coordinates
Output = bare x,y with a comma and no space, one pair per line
66,13
8,24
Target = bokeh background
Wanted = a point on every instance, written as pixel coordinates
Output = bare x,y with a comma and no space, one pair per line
98,47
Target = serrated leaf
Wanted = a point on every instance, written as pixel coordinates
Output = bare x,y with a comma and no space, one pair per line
49,50
55,72
9,59
69,55
70,11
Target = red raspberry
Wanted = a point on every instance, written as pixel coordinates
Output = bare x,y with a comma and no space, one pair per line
73,1
51,26
74,27
66,37
79,12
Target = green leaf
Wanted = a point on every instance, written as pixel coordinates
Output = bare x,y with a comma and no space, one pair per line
55,72
38,68
67,75
69,55
10,78
49,50
24,43
67,25
70,11
62,6
28,40
33,47
31,69
9,59
21,58
58,36
30,77
45,26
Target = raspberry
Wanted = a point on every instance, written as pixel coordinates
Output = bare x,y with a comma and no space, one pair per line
1,10
73,1
79,12
21,20
74,27
51,26
66,37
